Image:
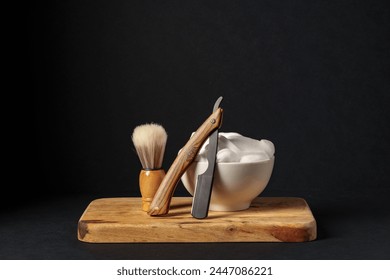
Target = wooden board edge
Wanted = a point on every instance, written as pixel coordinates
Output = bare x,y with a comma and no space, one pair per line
82,226
305,233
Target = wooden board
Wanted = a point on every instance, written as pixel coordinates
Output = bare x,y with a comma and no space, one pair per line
269,219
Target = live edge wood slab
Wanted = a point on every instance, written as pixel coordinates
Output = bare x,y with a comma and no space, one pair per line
269,219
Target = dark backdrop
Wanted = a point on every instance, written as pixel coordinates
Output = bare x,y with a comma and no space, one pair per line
311,76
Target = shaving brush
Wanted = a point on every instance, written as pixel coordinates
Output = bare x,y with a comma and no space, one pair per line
149,141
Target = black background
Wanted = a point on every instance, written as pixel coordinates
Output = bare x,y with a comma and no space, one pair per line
311,76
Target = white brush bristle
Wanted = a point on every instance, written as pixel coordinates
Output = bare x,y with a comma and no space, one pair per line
149,141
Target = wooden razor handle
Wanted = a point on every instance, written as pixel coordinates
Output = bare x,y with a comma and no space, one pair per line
162,198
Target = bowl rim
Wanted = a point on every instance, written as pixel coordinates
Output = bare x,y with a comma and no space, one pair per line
237,163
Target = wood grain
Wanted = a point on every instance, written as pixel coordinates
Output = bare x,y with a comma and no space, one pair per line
269,219
162,199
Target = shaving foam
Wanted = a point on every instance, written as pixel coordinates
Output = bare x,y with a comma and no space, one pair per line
233,147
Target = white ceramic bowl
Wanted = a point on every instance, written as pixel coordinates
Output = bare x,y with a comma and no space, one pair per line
235,184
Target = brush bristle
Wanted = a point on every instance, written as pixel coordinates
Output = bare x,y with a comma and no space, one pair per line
149,141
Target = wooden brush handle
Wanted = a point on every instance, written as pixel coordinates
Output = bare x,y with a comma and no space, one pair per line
162,198
149,181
